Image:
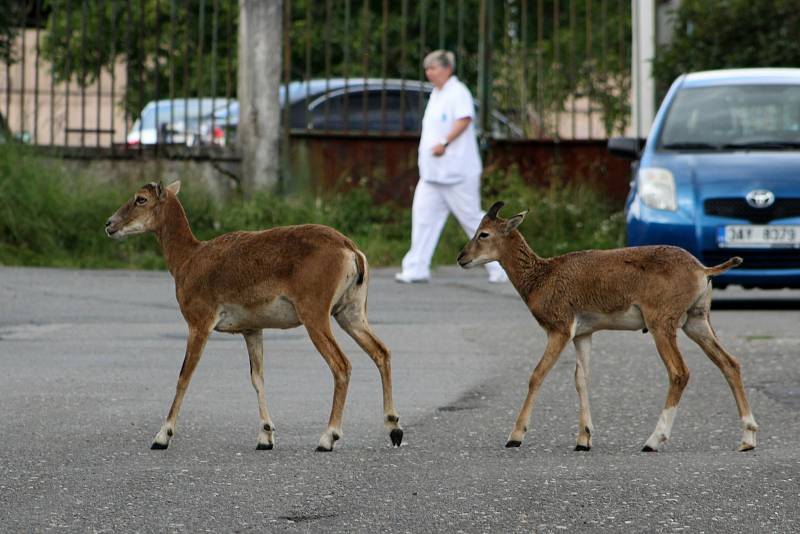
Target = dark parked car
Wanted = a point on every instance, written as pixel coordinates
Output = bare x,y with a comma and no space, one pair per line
392,106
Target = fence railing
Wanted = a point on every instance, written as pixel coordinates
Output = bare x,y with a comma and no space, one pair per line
142,74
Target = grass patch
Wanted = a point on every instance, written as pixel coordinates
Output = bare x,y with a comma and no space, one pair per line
51,218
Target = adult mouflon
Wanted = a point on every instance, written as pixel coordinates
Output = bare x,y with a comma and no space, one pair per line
244,282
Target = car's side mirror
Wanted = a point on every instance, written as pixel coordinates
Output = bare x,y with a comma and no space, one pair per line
626,147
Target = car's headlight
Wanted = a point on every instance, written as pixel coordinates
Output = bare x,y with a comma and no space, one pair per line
657,188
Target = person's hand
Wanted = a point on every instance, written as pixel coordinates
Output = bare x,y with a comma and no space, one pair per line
438,150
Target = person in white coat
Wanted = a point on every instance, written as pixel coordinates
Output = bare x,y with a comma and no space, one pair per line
449,170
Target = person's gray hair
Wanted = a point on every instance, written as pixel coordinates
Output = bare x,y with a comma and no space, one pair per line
444,58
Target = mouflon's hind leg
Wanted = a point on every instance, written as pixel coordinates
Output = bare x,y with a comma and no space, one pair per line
321,335
699,329
354,322
667,345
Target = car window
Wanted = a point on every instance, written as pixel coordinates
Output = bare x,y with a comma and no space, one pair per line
731,115
393,111
179,110
501,126
164,112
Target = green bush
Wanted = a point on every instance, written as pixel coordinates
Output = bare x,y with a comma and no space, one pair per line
731,34
50,218
561,217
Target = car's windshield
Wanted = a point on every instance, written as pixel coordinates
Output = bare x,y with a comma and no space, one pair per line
734,117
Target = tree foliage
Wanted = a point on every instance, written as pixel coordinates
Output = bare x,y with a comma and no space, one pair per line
540,57
570,50
170,49
12,13
729,34
544,53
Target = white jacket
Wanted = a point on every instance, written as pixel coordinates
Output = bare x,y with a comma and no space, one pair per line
461,158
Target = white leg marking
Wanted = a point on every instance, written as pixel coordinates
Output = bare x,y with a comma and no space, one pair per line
265,437
327,440
583,347
161,440
749,428
663,428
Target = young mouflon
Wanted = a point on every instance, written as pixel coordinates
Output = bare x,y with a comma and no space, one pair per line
244,282
659,289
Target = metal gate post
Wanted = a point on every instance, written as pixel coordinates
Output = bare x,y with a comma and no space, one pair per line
485,16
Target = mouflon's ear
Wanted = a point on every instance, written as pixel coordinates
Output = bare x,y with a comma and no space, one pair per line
174,187
515,221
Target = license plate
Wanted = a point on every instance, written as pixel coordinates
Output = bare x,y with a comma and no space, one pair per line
758,236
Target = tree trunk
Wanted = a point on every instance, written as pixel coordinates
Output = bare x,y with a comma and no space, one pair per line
260,34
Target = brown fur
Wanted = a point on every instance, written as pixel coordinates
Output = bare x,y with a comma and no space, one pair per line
242,282
655,288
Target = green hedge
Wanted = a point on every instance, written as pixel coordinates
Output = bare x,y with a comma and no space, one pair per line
49,218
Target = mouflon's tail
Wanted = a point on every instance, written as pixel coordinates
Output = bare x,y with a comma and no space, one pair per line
722,267
360,265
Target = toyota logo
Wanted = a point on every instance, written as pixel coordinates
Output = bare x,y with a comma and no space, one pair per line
760,198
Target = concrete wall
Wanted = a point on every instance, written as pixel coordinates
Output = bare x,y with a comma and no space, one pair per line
212,176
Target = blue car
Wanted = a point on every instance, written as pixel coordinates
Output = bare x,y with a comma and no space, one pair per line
719,174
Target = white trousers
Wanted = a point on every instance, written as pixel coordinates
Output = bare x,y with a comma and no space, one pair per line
432,204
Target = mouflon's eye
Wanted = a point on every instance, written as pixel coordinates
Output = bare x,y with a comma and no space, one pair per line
483,235
141,201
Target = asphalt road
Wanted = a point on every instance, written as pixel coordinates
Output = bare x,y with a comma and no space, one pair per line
89,360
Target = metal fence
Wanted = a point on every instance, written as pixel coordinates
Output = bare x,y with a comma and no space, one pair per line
142,74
